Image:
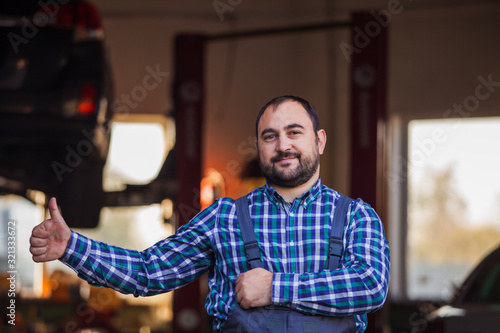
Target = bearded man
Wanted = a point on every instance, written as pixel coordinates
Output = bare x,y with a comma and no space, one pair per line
291,289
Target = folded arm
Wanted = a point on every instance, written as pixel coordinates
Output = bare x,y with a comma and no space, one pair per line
359,287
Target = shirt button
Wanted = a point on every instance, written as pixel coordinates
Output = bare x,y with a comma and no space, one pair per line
292,243
292,214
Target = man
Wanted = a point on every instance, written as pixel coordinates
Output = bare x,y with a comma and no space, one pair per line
291,216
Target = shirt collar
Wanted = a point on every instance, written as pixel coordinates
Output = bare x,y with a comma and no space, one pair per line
305,199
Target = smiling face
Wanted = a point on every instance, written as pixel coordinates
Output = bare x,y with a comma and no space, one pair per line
288,146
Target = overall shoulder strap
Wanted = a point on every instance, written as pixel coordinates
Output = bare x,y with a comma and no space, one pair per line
337,232
252,250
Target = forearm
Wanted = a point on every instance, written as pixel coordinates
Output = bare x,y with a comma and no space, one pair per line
356,290
167,265
106,266
360,286
156,270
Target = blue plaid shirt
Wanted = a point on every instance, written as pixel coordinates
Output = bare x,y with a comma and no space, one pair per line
293,242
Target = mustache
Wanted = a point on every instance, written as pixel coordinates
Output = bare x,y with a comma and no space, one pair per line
282,155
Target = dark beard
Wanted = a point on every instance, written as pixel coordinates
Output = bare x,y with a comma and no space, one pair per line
300,175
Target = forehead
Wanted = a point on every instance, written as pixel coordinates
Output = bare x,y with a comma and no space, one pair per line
283,115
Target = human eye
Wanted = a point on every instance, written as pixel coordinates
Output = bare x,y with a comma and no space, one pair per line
294,133
269,137
294,130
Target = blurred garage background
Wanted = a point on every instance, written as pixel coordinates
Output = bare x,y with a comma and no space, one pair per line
136,114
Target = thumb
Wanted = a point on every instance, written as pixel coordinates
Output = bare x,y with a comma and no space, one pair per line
55,214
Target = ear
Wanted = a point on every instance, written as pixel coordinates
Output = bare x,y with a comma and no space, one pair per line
321,141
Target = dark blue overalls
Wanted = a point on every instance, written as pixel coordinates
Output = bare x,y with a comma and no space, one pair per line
282,319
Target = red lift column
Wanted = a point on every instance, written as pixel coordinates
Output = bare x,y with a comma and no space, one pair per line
189,316
368,116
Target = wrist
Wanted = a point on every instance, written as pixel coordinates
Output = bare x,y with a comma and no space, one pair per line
284,288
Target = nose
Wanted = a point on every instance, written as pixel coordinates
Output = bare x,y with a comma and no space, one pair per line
284,144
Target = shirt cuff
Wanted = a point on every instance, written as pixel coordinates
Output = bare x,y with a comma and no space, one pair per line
77,251
285,288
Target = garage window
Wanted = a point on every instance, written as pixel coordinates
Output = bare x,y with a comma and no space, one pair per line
453,202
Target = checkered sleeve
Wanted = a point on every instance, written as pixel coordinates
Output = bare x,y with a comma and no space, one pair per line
359,287
107,266
167,265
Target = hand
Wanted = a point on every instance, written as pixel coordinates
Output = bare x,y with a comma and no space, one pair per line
50,238
254,288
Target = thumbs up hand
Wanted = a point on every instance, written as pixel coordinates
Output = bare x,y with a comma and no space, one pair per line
50,238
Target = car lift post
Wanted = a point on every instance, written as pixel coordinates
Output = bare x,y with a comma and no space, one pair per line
368,77
188,112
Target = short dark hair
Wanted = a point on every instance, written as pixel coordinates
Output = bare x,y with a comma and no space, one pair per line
277,101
